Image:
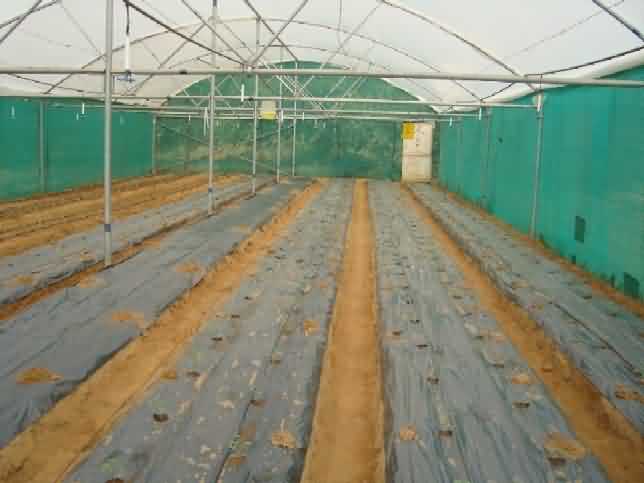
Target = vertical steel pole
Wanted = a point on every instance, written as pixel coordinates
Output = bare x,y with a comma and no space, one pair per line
154,145
211,140
255,113
107,177
537,168
41,147
295,93
280,118
485,156
186,144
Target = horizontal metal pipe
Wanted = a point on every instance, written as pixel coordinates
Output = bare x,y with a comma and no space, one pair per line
334,100
197,112
510,79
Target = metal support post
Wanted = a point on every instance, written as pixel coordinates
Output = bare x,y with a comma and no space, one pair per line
294,132
42,153
211,127
485,156
537,168
107,177
186,145
280,118
154,145
254,180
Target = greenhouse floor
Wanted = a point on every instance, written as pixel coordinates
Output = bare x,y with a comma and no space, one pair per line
322,331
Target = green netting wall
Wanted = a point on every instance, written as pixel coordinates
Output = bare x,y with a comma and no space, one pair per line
72,145
591,190
334,148
71,152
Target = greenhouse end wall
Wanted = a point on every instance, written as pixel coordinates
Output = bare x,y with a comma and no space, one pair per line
72,137
72,145
592,175
329,148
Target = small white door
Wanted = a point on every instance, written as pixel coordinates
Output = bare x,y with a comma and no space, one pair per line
417,151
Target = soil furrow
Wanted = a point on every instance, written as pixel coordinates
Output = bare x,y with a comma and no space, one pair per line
60,439
347,441
22,233
597,424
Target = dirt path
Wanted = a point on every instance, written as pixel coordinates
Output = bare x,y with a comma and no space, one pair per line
38,201
597,424
30,223
52,446
347,444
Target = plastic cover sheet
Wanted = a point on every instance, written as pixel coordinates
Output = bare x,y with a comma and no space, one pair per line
454,409
76,330
602,338
241,406
48,264
527,38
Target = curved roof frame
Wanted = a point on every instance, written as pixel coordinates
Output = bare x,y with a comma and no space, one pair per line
226,23
200,58
41,5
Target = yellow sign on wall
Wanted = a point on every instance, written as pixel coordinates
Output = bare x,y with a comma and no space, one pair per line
409,130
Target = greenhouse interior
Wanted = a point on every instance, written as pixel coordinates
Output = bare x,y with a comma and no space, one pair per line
322,241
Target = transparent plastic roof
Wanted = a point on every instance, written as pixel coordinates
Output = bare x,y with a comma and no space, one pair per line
466,36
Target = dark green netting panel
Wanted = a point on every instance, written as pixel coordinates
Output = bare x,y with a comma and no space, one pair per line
591,191
72,145
75,146
19,152
324,147
71,152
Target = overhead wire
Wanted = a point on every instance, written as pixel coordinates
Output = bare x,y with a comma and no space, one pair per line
169,28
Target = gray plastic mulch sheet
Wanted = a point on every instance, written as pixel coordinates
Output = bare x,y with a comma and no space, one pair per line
241,406
74,331
602,338
35,269
455,410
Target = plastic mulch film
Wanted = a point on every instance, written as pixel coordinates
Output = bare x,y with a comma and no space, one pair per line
49,349
239,406
461,403
602,338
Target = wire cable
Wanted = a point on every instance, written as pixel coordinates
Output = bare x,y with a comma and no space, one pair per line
154,19
592,62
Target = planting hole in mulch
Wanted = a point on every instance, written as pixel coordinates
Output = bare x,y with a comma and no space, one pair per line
408,433
160,417
311,327
521,378
37,375
283,439
628,394
560,448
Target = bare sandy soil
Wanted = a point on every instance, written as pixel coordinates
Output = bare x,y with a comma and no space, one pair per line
30,223
347,445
